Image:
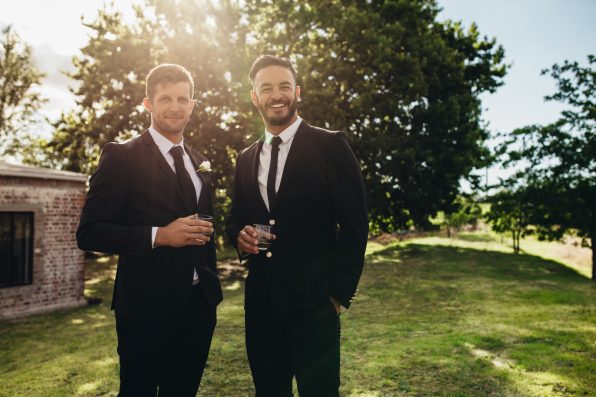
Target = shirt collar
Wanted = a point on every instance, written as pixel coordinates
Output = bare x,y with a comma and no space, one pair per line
163,143
286,134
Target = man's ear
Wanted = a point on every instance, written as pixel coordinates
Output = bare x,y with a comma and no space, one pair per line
147,104
298,93
255,99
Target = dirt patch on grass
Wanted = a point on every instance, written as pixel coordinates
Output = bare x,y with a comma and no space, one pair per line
231,269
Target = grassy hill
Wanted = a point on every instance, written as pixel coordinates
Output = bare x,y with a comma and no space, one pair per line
433,317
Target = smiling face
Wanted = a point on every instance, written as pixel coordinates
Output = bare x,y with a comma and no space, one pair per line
276,95
170,108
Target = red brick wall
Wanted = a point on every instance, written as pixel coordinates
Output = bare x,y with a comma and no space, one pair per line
58,277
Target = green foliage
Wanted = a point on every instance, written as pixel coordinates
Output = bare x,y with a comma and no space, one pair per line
557,162
19,81
111,72
510,213
403,86
464,211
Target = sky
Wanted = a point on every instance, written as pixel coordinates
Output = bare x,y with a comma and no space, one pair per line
534,33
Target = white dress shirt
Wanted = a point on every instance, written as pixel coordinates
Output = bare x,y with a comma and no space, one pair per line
287,136
165,145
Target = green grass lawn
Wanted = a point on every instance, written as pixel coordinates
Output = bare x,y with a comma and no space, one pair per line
430,320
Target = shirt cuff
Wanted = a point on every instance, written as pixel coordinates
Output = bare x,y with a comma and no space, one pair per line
153,234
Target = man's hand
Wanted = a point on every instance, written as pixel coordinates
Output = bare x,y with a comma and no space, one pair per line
247,240
183,232
336,304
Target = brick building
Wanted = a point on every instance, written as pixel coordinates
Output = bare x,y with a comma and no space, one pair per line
41,268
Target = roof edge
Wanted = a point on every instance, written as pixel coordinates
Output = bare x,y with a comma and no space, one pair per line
27,171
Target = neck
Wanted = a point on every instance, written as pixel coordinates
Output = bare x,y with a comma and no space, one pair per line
278,129
175,137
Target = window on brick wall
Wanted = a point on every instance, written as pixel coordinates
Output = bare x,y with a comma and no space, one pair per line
16,248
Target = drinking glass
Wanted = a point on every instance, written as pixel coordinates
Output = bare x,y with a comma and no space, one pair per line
264,235
205,217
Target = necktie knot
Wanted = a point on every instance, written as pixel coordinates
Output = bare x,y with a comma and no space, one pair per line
275,142
176,152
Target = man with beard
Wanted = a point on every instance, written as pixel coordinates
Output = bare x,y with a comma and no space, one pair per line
141,204
304,182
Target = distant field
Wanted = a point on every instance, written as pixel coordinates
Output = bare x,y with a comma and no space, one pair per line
569,253
433,317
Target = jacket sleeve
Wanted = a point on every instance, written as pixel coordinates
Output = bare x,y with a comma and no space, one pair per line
349,203
101,227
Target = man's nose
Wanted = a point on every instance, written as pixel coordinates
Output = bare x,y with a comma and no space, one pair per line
276,94
175,108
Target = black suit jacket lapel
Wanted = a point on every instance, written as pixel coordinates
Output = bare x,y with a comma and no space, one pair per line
297,149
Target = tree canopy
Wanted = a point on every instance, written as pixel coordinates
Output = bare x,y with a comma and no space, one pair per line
19,80
556,163
402,85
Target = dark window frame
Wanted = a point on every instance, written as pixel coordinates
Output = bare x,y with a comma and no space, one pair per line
31,242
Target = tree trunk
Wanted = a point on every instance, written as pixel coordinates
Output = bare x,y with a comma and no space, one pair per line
516,238
592,241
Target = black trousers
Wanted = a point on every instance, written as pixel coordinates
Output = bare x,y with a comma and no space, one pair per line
166,359
304,344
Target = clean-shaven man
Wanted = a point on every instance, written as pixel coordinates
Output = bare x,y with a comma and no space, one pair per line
306,183
141,204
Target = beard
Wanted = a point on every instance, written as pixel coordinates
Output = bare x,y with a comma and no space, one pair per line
164,127
280,120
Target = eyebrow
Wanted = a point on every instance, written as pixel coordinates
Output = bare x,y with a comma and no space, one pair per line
164,95
285,82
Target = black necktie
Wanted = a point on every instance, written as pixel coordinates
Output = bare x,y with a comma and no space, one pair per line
271,194
184,182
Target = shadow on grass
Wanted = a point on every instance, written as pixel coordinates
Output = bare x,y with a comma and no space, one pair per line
462,322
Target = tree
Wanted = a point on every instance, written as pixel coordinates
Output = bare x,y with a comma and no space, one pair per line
403,86
510,213
19,79
110,75
557,162
464,211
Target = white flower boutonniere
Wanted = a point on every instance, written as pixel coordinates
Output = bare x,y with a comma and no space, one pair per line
204,167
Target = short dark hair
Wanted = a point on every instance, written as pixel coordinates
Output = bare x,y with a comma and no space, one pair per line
167,73
264,61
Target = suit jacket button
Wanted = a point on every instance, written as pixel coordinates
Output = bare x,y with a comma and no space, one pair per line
272,222
268,254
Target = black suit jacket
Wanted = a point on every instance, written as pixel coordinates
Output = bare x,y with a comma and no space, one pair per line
320,220
133,189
